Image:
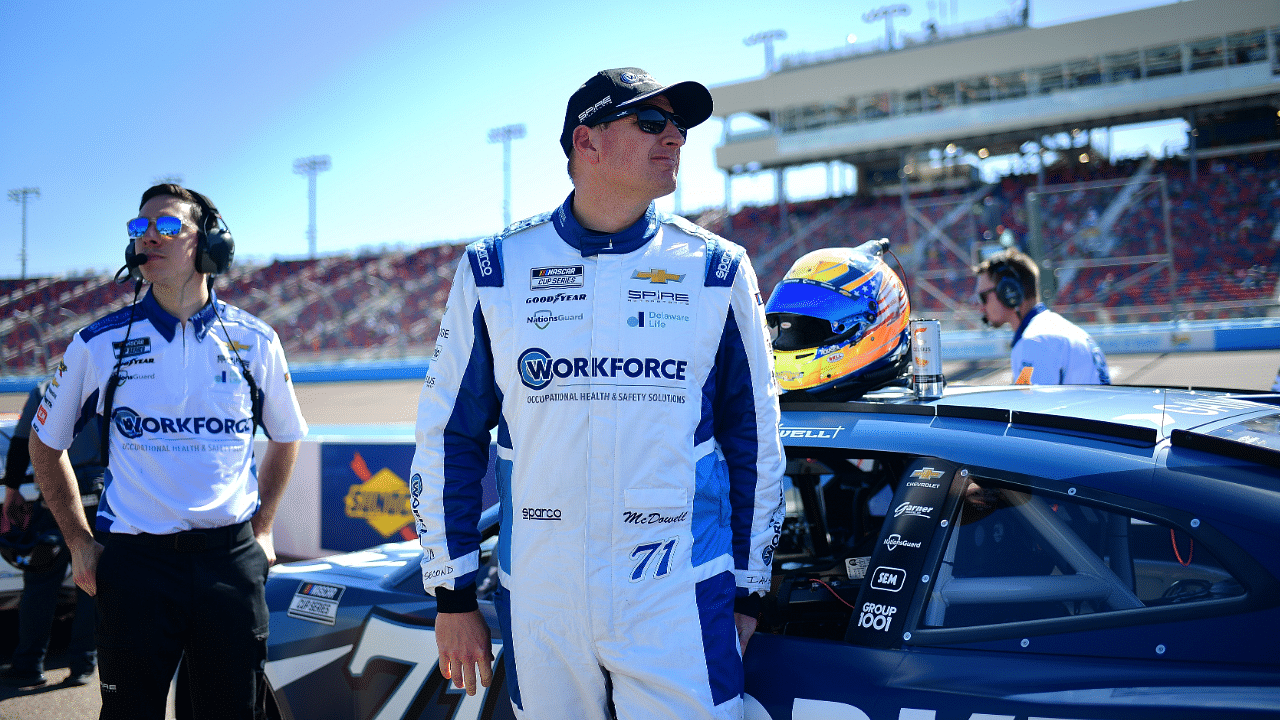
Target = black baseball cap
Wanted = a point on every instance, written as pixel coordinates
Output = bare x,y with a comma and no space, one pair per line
609,91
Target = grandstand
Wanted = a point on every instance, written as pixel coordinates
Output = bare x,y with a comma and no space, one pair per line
1137,240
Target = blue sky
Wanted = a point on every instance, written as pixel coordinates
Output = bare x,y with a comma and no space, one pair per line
99,99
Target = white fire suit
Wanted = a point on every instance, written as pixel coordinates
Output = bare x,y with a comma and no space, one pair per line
1055,351
639,465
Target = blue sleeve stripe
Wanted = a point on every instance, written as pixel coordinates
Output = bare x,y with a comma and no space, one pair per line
486,261
466,444
722,264
737,433
87,412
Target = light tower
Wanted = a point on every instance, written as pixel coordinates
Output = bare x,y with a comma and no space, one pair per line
767,37
20,196
505,135
311,166
887,14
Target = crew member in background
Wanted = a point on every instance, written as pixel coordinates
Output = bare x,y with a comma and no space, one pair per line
623,356
42,585
184,381
1048,349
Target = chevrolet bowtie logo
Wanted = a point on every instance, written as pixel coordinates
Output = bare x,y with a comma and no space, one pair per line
657,276
927,474
237,347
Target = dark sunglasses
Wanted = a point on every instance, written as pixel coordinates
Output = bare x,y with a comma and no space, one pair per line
166,225
652,120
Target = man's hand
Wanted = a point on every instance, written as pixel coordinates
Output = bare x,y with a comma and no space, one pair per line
84,565
14,504
268,543
746,628
463,640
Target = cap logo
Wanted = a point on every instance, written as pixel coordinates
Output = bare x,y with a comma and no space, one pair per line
608,99
629,78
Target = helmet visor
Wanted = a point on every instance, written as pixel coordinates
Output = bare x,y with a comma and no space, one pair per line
807,314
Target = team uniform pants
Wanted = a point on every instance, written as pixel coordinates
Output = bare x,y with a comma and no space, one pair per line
198,594
36,608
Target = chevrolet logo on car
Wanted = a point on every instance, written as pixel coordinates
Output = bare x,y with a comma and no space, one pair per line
655,275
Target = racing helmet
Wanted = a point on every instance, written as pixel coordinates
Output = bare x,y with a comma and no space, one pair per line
34,543
839,324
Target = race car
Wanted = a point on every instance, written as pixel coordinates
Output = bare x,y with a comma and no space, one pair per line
1001,552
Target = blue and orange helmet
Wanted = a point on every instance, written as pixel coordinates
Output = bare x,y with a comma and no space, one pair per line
839,323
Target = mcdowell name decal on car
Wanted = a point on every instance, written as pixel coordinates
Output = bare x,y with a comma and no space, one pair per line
825,433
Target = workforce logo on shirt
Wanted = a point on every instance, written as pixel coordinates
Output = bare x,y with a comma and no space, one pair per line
133,426
537,368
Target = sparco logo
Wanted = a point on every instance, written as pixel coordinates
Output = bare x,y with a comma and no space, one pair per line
537,368
876,616
558,297
482,260
541,513
652,518
895,541
722,270
132,425
912,510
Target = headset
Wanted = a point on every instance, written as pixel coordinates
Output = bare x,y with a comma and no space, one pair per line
1008,287
215,249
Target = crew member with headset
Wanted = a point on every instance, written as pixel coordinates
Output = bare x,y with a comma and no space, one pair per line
33,545
183,381
1048,349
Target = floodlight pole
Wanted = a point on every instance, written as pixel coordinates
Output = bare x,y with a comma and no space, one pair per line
505,135
20,196
766,37
887,13
311,166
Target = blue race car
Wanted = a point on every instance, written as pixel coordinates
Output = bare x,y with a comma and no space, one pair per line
1029,552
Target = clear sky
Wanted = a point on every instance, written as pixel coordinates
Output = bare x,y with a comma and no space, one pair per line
99,99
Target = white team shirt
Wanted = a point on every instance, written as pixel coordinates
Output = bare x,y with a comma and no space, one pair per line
1057,351
180,438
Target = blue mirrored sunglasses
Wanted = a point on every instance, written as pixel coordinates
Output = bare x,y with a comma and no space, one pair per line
166,225
652,120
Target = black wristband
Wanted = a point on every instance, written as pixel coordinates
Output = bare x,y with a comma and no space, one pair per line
456,601
749,605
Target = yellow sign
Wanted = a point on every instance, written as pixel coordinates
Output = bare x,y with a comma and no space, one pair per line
382,499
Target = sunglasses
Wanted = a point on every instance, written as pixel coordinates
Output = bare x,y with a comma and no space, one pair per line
651,120
166,225
982,295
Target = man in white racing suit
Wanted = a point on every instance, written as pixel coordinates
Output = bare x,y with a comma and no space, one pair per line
1048,349
622,355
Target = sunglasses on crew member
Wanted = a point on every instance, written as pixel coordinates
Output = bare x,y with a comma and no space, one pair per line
166,225
650,119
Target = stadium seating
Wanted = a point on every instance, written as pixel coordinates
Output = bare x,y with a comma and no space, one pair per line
1226,248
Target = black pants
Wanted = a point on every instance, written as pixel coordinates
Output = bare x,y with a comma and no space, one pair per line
198,594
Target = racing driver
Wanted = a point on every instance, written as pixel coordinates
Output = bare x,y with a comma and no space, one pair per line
623,356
